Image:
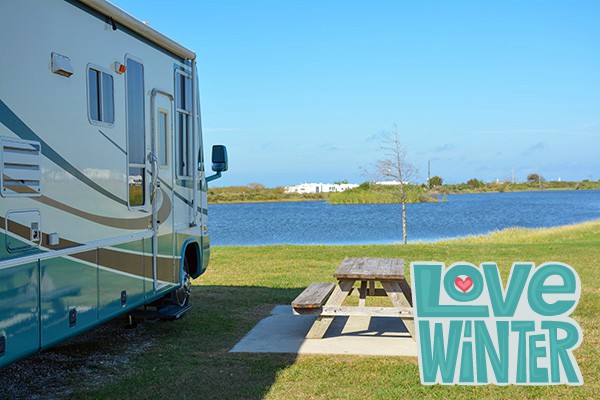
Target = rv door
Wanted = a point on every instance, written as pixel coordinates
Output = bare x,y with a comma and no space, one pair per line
161,200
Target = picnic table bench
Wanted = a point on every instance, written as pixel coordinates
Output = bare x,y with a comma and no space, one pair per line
312,298
326,299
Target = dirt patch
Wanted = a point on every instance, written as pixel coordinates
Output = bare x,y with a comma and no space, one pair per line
95,357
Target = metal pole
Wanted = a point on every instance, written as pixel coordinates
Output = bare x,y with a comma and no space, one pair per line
428,171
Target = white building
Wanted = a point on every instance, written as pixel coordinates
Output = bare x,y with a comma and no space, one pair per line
320,187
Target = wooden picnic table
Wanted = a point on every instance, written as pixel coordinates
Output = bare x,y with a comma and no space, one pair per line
326,299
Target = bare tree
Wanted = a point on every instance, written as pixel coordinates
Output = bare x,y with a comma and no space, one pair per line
394,165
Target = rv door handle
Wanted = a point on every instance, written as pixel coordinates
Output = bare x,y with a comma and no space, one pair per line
152,158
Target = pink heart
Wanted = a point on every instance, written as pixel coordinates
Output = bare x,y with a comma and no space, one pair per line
463,284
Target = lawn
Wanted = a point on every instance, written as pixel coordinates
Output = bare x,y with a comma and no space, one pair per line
190,359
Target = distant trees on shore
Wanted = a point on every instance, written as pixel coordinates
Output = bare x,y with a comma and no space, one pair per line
535,178
475,183
533,182
435,181
369,192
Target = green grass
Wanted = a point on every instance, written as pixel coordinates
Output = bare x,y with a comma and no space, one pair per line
380,194
136,195
190,357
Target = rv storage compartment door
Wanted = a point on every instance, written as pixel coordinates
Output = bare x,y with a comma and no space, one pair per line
68,295
19,311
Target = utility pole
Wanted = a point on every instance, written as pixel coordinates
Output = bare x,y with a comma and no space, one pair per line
540,175
513,176
428,171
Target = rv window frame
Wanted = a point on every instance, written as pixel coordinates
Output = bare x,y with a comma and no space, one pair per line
129,165
188,176
102,70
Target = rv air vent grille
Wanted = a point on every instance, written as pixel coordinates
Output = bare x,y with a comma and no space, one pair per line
20,173
61,65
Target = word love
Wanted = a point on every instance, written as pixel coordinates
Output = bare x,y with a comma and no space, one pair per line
471,329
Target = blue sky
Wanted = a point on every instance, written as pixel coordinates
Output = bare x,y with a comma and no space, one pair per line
301,91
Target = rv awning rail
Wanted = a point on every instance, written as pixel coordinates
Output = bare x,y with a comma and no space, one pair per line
68,251
129,21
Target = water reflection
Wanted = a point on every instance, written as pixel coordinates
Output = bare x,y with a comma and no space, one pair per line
136,187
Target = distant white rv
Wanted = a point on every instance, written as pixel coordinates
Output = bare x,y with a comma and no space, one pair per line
102,181
391,183
320,187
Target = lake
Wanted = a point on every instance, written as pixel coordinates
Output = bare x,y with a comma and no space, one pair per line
316,222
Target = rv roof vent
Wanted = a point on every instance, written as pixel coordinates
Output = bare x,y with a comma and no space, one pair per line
61,65
20,171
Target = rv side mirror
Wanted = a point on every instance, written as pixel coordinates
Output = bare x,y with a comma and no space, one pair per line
219,161
219,158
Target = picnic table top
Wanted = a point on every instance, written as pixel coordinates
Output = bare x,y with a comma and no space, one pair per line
371,268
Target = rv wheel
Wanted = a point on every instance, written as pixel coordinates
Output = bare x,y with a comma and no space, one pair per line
182,295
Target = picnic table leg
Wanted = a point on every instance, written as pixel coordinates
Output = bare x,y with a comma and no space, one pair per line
362,300
371,288
406,290
341,291
399,299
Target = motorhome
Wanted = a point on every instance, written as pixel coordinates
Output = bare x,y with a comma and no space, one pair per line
102,185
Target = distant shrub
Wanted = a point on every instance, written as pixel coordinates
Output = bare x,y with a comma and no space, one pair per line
365,185
474,183
435,181
535,178
255,185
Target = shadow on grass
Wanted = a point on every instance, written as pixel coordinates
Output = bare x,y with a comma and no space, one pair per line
188,358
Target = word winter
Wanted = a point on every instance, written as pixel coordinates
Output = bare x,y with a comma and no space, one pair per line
471,330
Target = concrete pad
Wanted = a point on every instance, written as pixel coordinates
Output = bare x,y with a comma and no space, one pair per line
284,332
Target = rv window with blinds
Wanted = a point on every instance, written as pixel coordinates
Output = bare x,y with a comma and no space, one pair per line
136,142
101,107
183,120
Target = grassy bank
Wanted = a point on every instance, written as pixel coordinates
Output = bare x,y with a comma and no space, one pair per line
254,193
480,187
380,194
377,194
190,359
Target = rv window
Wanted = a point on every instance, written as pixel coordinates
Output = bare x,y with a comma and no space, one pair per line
100,96
182,148
184,135
94,94
163,139
136,142
108,108
184,91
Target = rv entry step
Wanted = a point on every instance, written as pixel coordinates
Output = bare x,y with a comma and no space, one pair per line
174,311
168,312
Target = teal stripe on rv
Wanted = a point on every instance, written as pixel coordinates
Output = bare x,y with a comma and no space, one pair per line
15,124
113,142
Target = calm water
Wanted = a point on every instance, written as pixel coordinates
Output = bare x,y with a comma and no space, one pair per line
317,222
